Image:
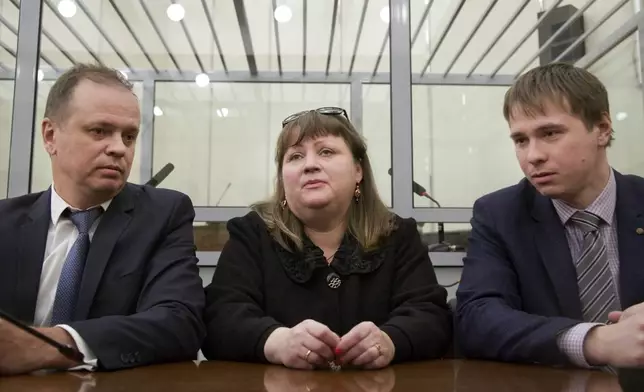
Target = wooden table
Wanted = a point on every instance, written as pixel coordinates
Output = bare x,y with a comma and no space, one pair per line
438,376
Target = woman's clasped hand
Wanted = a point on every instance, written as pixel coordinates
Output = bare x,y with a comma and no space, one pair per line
311,345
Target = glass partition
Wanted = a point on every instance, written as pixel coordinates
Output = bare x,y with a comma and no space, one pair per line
6,109
215,78
8,45
221,138
461,145
622,78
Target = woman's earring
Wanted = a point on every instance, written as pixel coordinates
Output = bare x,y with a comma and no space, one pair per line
356,193
283,203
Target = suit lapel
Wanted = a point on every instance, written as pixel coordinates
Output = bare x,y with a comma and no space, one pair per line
552,245
33,240
112,224
630,218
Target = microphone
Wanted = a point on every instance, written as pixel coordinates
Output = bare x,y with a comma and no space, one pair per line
67,350
420,191
161,175
441,246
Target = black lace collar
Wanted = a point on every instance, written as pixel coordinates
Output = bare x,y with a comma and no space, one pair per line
349,259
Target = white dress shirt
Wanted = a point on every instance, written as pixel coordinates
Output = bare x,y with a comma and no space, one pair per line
61,236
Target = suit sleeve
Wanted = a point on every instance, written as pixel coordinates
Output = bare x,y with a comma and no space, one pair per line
489,321
168,324
236,322
420,323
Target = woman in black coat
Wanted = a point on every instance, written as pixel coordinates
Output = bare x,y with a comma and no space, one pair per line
322,274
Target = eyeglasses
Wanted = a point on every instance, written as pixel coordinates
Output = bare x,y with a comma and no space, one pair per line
328,110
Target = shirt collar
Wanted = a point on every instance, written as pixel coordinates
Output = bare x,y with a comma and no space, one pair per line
58,206
603,206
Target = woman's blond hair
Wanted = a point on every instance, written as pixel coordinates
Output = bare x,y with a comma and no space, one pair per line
369,219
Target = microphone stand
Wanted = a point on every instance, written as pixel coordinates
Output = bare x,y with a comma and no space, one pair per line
442,245
441,227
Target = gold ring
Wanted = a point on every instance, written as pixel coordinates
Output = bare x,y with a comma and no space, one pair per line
377,346
306,357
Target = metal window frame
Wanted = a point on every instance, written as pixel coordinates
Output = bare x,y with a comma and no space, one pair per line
400,79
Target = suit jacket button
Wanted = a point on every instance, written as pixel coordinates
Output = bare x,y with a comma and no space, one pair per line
124,358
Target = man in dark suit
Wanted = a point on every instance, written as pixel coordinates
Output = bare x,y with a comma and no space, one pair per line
134,296
552,259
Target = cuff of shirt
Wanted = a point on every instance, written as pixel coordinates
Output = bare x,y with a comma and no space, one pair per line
90,360
571,343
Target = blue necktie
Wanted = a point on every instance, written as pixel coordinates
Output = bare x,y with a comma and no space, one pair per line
72,273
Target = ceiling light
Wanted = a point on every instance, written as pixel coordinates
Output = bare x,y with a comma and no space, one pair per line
384,14
67,8
621,116
41,75
158,111
283,13
202,80
125,75
223,112
175,12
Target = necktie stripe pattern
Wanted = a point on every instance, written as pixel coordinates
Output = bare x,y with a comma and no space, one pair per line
596,287
72,272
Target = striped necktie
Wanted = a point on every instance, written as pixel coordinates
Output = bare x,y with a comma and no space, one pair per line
596,287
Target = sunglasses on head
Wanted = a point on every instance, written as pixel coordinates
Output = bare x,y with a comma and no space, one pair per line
328,110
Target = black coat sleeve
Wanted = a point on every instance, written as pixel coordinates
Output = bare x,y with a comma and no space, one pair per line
235,320
420,323
168,323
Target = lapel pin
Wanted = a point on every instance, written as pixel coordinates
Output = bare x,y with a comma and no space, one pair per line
639,231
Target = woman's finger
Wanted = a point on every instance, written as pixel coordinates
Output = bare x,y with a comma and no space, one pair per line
368,356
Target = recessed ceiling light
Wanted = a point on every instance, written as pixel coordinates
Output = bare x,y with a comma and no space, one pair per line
384,14
40,75
175,12
125,74
202,80
67,8
158,111
621,116
283,13
223,112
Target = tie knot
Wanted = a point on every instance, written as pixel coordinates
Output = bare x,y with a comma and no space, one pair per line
83,220
587,221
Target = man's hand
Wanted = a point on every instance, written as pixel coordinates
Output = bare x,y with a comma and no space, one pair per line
366,346
618,345
618,316
22,353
